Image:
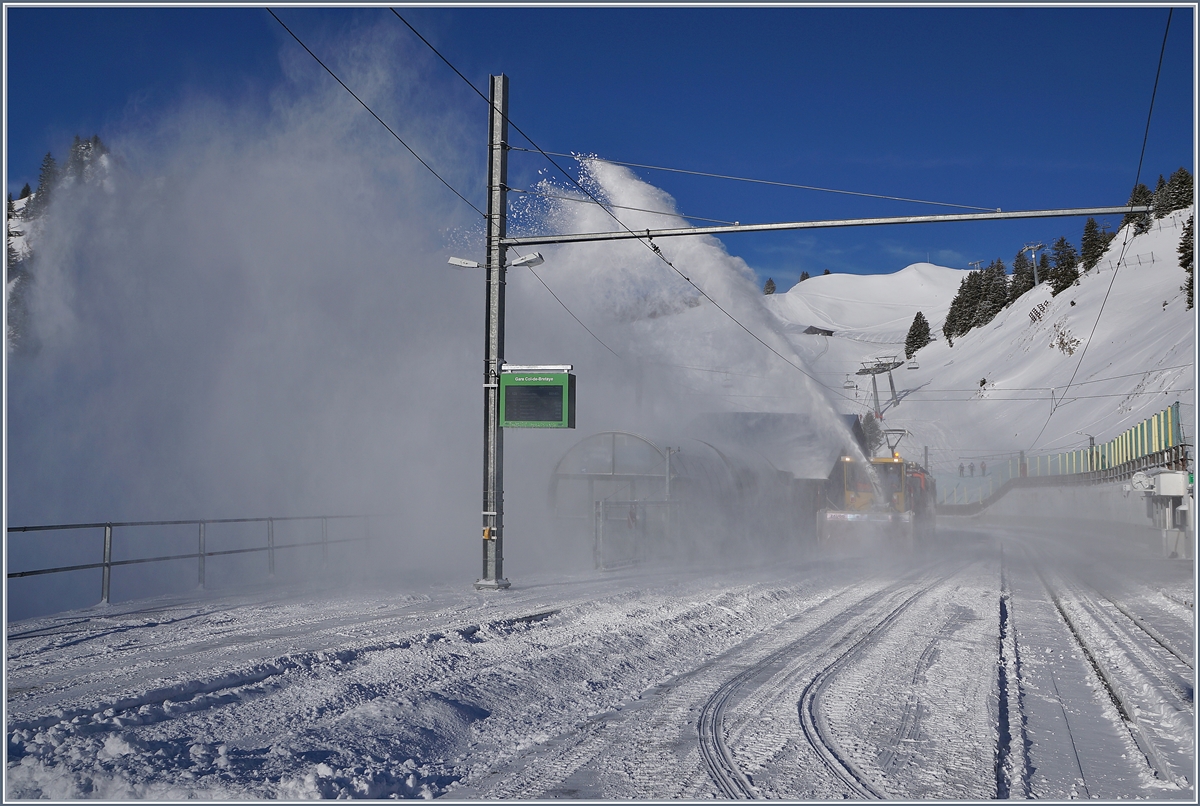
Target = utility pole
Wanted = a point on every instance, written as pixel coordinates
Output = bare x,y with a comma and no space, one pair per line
493,435
1032,249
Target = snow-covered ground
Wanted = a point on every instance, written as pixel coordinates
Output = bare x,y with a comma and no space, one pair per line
1003,661
950,674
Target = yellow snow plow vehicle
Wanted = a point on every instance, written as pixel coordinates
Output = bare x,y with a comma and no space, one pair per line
886,502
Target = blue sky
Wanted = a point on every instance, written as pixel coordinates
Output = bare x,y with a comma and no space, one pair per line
1016,108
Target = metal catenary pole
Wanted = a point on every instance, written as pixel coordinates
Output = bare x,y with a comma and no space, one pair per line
493,436
498,241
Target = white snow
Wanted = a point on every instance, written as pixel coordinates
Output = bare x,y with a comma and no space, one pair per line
1137,362
592,685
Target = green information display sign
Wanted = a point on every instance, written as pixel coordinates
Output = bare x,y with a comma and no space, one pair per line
537,397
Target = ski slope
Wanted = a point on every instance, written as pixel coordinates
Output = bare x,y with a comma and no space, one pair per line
1098,358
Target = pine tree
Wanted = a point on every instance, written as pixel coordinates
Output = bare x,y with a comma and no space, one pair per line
1161,203
25,191
954,316
918,335
1141,196
769,286
47,179
1043,268
1022,277
1092,245
1187,254
1179,190
81,162
961,316
993,293
827,271
1107,236
1065,270
76,159
872,432
803,276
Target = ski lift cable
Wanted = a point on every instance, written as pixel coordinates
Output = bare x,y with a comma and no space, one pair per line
1128,229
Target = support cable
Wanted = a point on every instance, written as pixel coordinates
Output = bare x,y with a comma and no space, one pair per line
760,181
1128,229
618,206
573,316
645,241
431,170
364,106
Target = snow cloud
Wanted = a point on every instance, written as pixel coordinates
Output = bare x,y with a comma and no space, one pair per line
254,317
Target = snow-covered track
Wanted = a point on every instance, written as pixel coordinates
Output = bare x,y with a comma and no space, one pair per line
812,721
1131,670
819,651
1158,638
1172,597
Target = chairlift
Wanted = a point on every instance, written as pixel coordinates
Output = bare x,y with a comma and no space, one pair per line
913,364
849,384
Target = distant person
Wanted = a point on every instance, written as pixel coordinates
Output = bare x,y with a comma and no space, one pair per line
962,469
983,468
971,467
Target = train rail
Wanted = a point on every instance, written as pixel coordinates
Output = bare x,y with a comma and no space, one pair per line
818,656
1137,669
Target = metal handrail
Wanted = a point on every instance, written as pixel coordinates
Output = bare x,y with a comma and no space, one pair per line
108,563
185,522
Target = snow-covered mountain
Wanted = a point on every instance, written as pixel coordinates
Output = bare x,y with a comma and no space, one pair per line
1036,378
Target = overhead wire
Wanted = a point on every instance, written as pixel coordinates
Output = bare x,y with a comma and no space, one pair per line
381,121
1128,228
618,206
572,313
643,239
763,181
1062,399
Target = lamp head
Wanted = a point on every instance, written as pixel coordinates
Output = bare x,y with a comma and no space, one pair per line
533,259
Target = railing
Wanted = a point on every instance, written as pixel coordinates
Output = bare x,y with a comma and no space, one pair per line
1173,458
201,554
1156,442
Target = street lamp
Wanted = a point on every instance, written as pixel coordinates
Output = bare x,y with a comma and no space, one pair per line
534,259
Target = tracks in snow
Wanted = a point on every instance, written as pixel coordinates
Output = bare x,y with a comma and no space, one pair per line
1147,680
818,655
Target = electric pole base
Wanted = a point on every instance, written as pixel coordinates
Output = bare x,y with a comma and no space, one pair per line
491,584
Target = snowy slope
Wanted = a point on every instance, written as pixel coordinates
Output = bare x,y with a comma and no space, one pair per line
1138,361
870,307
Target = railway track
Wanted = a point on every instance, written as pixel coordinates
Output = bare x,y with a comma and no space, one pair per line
819,654
1135,666
816,728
